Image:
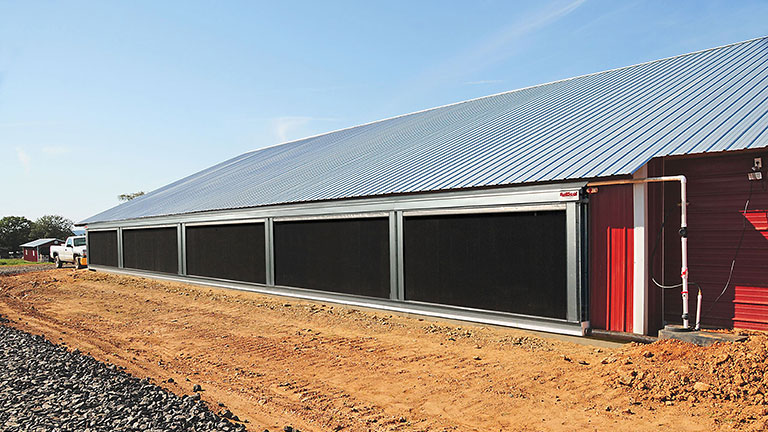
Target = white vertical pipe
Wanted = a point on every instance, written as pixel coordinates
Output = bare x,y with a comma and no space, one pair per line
698,312
640,256
684,247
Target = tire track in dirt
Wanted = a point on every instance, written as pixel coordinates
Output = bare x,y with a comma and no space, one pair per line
327,367
269,351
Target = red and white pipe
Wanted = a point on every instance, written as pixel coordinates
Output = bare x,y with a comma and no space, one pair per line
684,246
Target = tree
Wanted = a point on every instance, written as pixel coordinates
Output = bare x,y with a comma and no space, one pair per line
14,231
129,196
52,226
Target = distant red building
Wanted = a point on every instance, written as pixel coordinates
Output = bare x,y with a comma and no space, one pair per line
39,250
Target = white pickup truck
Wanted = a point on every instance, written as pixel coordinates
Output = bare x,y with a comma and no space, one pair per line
73,251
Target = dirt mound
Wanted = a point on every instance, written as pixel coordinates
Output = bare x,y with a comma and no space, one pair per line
730,377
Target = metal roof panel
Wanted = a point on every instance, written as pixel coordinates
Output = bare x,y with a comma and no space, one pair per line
602,124
39,242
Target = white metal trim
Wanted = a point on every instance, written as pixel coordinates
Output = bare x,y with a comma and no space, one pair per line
432,310
400,255
120,261
138,227
180,247
226,222
485,311
269,255
483,210
640,254
393,267
572,235
498,197
331,216
183,247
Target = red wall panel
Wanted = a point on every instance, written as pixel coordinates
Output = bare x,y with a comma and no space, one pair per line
30,255
611,253
717,192
655,209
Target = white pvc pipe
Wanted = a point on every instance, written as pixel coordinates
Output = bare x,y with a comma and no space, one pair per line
684,247
698,312
683,228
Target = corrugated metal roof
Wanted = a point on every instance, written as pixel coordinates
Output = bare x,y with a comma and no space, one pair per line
603,124
38,242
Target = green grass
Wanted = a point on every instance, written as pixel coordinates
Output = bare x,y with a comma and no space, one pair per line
16,261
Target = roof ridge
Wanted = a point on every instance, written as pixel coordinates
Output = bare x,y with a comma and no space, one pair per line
508,92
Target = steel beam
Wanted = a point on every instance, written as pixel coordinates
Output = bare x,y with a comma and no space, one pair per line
120,248
476,199
180,247
183,248
573,278
269,251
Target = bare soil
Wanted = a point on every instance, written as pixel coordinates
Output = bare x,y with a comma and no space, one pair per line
325,367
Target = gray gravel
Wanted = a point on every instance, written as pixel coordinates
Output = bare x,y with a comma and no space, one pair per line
44,387
17,269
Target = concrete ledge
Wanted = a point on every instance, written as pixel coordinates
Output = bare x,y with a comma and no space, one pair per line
701,338
621,336
525,322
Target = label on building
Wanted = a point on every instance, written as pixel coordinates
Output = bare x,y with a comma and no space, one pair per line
569,195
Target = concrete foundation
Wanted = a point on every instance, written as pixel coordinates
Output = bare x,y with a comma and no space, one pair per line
701,338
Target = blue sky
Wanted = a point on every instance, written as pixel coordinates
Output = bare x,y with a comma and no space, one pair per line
102,98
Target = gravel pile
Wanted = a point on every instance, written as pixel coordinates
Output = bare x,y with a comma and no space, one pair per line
18,269
44,387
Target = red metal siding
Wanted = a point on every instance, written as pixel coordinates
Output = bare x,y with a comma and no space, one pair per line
718,189
30,254
611,258
655,208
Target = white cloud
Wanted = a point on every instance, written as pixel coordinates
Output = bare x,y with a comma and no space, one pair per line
294,127
56,150
24,159
495,48
286,128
